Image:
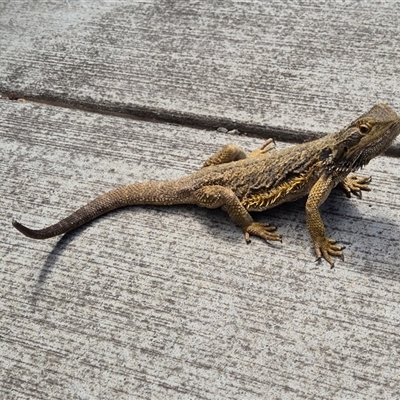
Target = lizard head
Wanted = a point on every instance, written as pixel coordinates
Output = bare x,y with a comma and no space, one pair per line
365,138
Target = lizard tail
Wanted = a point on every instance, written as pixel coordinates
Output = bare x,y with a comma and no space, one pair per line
151,193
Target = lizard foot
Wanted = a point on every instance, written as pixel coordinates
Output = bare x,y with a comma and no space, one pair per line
267,146
354,184
263,230
327,249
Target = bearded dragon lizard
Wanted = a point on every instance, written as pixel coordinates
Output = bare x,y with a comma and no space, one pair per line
242,182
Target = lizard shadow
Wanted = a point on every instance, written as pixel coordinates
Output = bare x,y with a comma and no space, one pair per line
368,241
289,218
369,244
50,262
64,242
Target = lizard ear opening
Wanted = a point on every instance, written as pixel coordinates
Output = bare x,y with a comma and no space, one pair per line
325,154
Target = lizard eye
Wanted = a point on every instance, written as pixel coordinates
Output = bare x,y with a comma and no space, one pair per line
364,129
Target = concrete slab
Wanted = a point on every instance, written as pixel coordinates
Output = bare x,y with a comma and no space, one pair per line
169,303
277,68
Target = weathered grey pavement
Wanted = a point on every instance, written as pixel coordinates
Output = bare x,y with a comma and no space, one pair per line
169,302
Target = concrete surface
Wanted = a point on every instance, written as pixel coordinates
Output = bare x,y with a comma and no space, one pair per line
169,302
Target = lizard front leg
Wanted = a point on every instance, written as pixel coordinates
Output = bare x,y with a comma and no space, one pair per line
231,152
324,247
219,196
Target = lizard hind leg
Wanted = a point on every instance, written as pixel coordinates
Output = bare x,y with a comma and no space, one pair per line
219,196
231,152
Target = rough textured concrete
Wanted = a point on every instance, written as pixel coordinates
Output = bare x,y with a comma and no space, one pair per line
270,66
170,303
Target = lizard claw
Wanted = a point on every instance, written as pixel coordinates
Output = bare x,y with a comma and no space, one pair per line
354,184
328,248
263,230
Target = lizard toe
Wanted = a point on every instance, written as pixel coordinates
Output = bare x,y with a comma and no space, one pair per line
352,184
262,230
328,249
266,147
